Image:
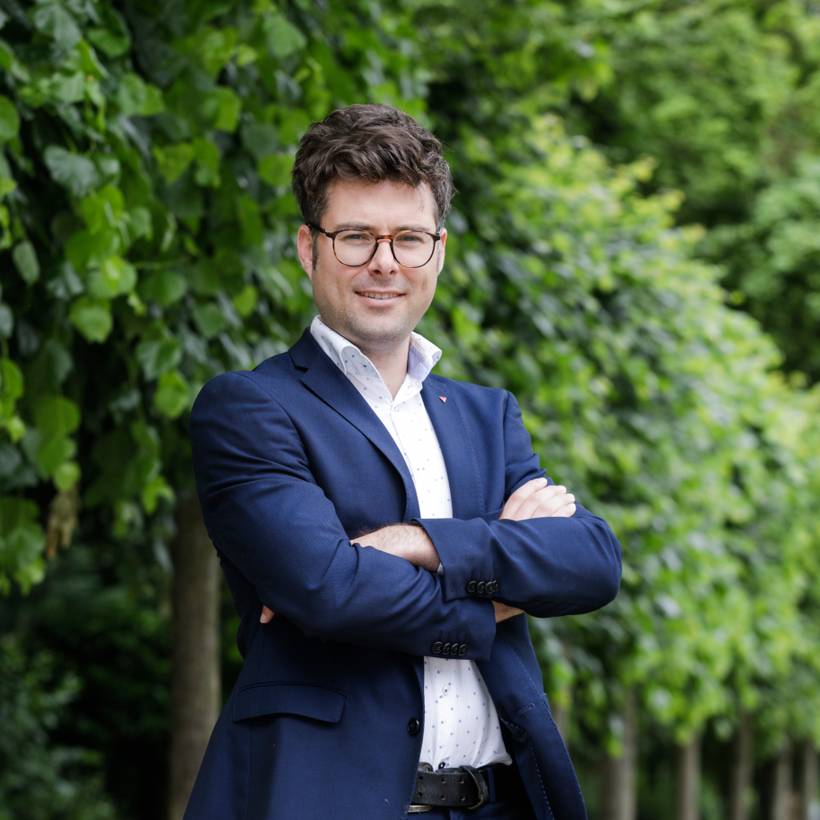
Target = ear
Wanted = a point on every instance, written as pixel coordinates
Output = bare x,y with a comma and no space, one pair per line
304,247
442,243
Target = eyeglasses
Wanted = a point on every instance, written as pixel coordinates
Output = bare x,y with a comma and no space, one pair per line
354,248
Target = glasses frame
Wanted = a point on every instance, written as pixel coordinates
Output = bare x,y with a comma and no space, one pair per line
331,235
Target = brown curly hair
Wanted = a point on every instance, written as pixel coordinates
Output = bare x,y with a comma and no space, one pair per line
371,143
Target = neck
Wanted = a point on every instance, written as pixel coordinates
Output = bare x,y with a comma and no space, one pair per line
391,364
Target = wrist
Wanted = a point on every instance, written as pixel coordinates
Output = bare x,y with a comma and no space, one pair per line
424,553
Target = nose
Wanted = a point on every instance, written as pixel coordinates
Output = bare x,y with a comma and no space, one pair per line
383,260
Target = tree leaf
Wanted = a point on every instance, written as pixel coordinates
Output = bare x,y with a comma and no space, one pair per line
9,120
11,380
207,157
25,260
92,317
173,394
56,416
224,107
209,319
115,276
6,321
52,18
173,160
283,38
67,475
74,171
245,301
158,354
276,169
163,287
113,39
135,96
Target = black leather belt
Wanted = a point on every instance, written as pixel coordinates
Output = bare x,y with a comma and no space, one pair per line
464,787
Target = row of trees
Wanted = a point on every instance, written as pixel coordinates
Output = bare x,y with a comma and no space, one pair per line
146,243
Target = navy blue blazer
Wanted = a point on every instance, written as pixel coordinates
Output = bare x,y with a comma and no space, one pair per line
323,722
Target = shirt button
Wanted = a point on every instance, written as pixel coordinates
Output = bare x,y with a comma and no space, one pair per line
413,727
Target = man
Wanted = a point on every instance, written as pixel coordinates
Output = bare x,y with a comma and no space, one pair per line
383,530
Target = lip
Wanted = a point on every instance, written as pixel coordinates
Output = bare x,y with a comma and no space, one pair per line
379,295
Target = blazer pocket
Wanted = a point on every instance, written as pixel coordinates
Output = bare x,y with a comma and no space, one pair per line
261,699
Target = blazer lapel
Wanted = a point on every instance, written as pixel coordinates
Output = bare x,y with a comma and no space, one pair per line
457,442
323,378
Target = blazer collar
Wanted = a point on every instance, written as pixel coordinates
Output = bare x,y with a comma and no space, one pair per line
326,380
456,439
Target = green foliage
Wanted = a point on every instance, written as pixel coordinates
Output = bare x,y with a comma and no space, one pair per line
724,97
644,391
40,779
148,218
146,243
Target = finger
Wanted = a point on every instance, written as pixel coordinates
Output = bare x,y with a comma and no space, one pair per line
546,505
266,616
527,507
521,495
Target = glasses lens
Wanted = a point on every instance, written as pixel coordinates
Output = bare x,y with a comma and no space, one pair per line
354,247
413,248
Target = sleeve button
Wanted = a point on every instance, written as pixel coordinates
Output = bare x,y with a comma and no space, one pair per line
446,648
462,650
413,726
471,585
481,587
436,647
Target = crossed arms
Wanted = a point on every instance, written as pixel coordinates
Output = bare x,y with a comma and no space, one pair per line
535,499
270,519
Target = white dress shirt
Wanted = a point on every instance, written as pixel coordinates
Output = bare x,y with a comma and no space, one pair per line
460,721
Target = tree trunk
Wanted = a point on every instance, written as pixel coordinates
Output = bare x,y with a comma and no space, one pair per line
782,785
195,683
740,789
688,780
809,804
618,798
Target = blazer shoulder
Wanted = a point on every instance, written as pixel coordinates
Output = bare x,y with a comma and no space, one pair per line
268,377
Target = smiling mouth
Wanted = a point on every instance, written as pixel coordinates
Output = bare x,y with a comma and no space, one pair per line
378,295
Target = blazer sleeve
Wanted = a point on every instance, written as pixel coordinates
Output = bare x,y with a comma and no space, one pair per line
266,514
545,566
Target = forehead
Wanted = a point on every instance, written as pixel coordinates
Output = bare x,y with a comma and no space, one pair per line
387,204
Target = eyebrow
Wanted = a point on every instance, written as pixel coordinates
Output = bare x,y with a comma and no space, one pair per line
361,226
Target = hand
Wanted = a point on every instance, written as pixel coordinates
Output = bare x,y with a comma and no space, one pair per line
537,499
267,615
407,541
505,611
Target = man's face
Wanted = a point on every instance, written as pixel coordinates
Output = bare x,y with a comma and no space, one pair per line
378,304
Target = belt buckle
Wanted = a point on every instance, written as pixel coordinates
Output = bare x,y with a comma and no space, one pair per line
481,786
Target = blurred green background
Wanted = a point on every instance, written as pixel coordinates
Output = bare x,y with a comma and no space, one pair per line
634,251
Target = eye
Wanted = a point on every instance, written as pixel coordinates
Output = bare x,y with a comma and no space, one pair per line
355,237
411,238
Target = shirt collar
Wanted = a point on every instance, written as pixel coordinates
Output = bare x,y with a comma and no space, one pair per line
421,359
